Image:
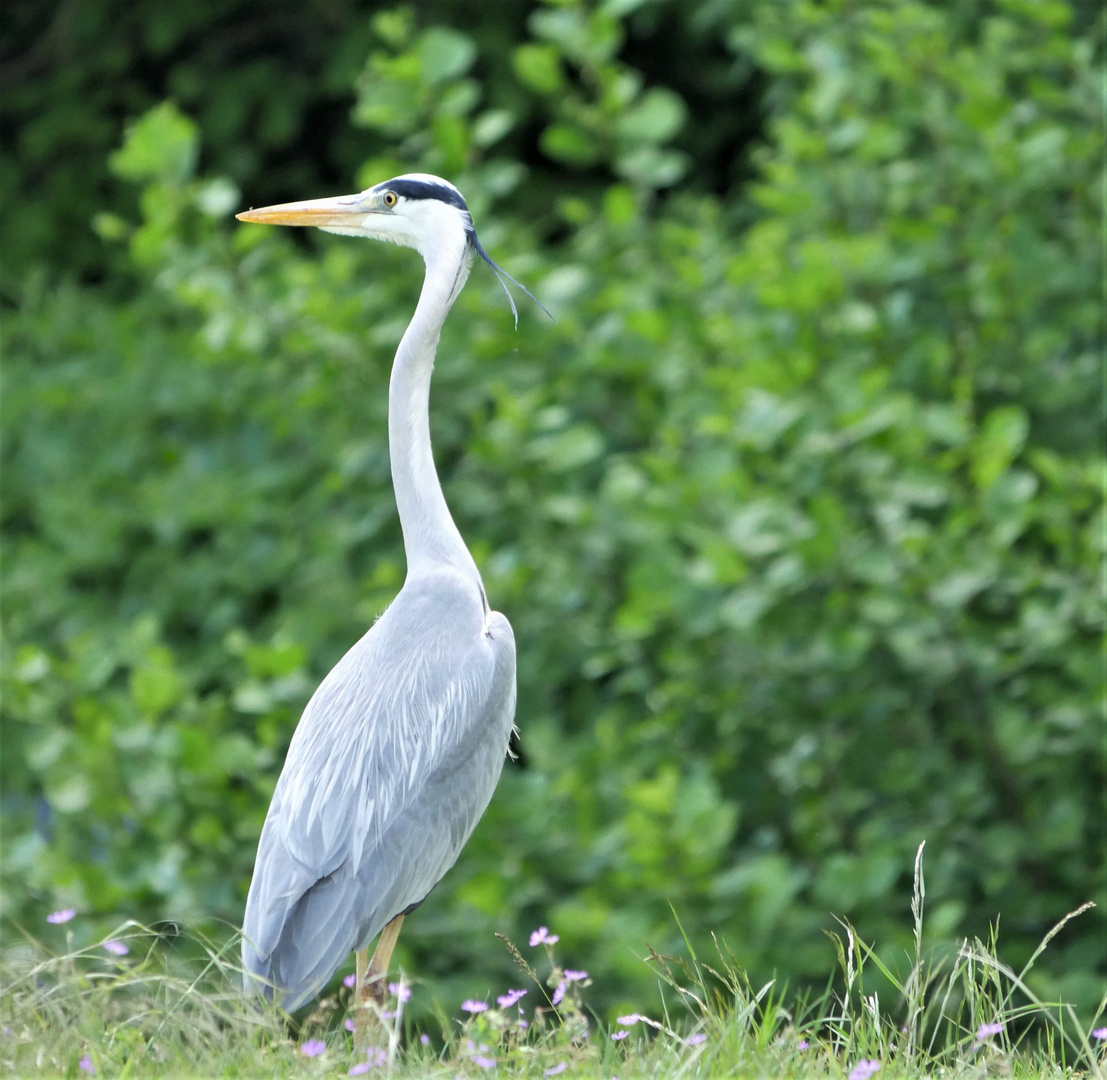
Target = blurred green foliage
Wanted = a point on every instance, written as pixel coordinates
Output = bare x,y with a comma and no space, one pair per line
796,509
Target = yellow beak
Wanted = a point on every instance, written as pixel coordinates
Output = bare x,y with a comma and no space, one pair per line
342,210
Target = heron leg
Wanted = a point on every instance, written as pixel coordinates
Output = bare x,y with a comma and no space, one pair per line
371,994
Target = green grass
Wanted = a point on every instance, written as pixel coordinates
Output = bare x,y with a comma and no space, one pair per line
172,1007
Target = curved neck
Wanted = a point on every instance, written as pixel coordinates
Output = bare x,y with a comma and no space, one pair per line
430,536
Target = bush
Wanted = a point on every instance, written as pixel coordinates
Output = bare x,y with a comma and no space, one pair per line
796,510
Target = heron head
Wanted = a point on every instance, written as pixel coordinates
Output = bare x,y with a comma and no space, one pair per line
415,210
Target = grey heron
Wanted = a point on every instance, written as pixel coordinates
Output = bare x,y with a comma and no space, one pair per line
399,749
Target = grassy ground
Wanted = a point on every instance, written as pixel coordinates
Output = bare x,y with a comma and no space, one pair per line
130,1006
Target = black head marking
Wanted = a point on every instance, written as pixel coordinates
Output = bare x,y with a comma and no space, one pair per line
425,189
501,273
428,189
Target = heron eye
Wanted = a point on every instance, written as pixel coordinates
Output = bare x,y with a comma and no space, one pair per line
389,199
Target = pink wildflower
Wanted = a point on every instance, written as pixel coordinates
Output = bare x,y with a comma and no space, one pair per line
864,1069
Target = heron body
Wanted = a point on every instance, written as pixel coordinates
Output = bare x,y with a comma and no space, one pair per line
399,750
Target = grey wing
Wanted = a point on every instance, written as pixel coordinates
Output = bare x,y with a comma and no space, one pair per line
386,778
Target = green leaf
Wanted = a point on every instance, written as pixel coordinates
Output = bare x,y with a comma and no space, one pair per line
655,118
652,167
1001,439
70,794
491,126
445,54
156,686
539,67
569,143
161,145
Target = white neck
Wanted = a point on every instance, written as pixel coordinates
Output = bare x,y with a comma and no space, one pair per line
431,538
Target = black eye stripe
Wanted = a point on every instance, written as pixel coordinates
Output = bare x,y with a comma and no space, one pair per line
421,189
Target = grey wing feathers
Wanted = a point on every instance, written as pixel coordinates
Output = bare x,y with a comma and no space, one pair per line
390,768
